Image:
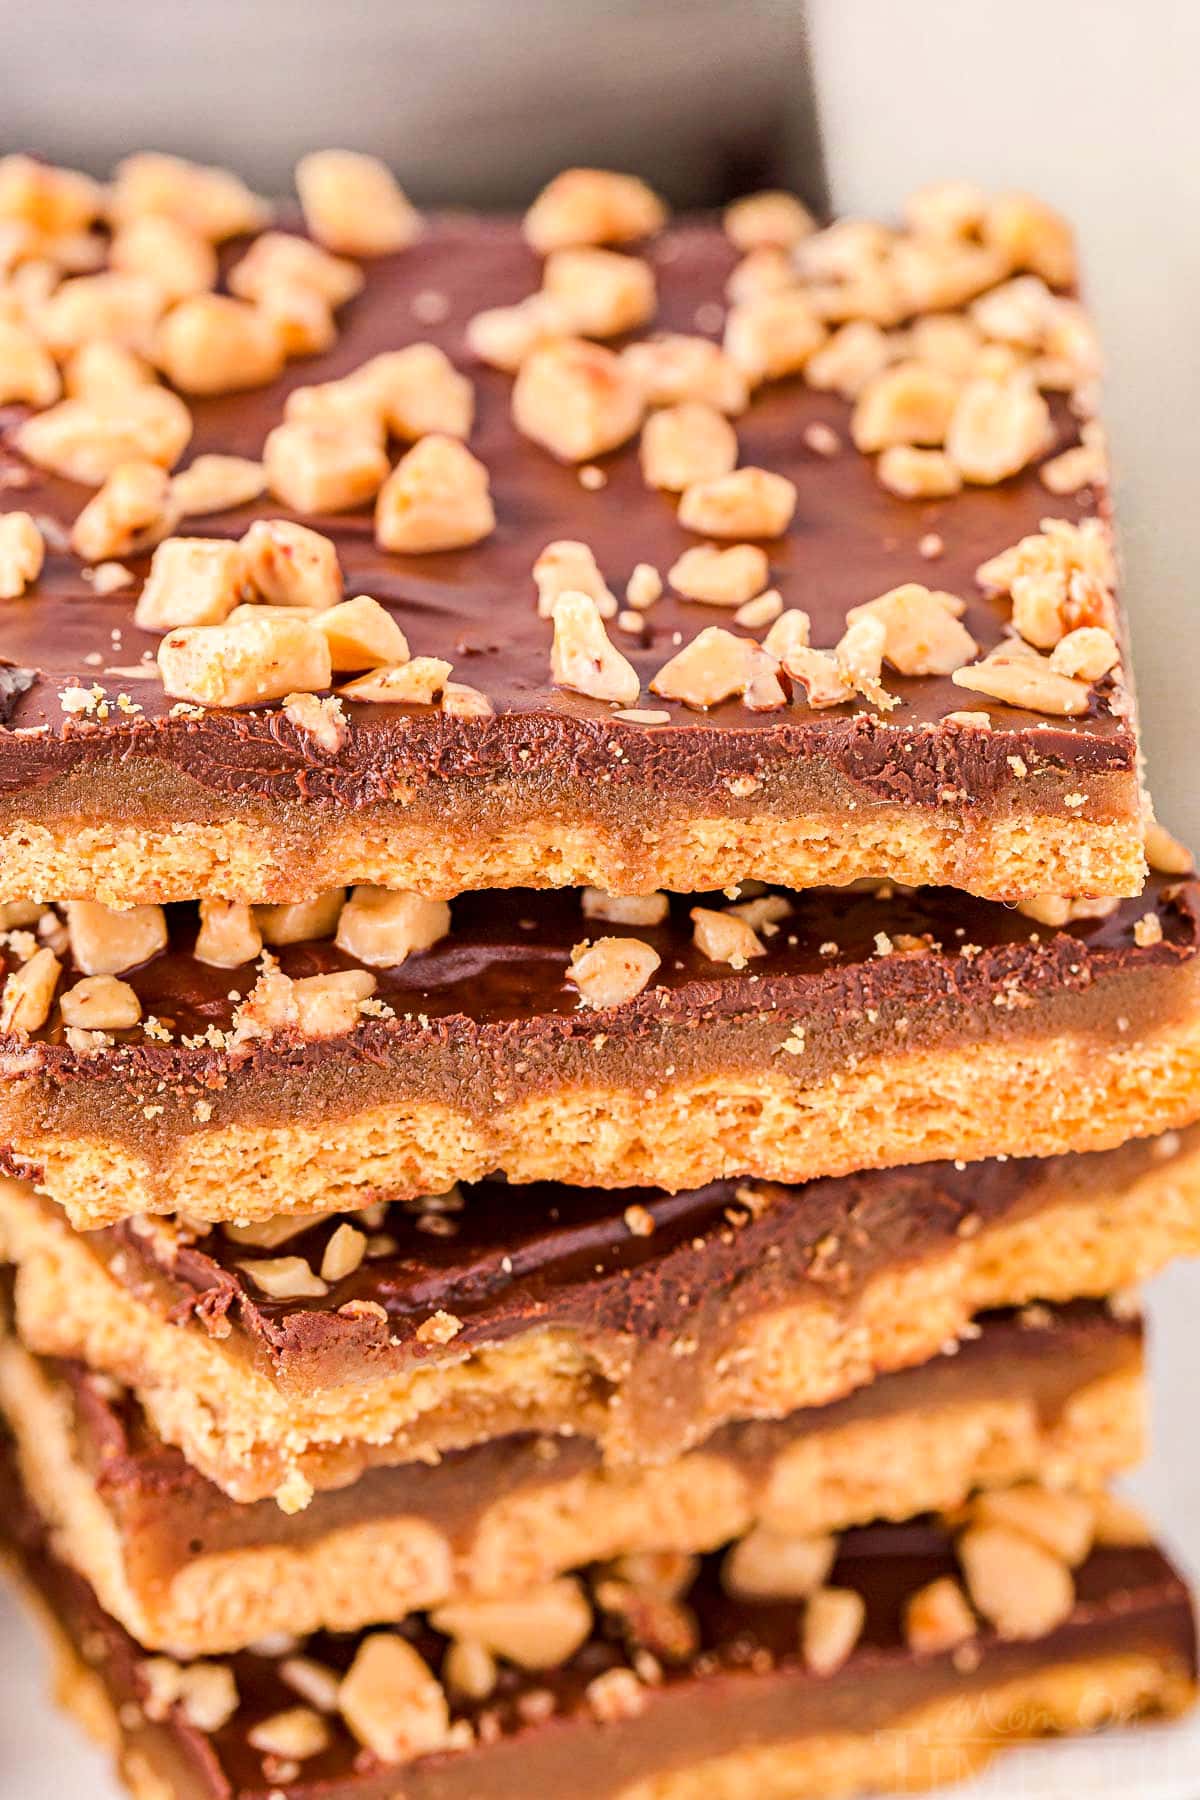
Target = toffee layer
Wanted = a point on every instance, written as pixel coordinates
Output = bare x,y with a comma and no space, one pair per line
740,1716
1052,1395
553,790
878,1027
743,1302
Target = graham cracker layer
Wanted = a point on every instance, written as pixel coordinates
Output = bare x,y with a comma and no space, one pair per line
1043,1097
938,1744
294,851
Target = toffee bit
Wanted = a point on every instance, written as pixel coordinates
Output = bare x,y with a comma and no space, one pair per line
639,1220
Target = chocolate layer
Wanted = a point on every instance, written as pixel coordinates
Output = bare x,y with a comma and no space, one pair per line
487,1021
504,964
169,1514
745,1686
850,540
515,1260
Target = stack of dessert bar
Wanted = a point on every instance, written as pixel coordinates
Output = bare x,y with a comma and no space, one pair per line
589,1052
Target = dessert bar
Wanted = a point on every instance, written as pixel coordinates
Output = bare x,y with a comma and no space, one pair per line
1046,1394
785,1036
617,760
886,1677
641,1321
596,1028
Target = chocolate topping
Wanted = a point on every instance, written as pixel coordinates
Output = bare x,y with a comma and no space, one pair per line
850,540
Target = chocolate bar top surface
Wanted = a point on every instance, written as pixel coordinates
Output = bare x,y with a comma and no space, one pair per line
850,540
1047,1353
515,1259
746,1682
500,976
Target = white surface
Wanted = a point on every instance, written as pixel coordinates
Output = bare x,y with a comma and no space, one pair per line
42,1756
